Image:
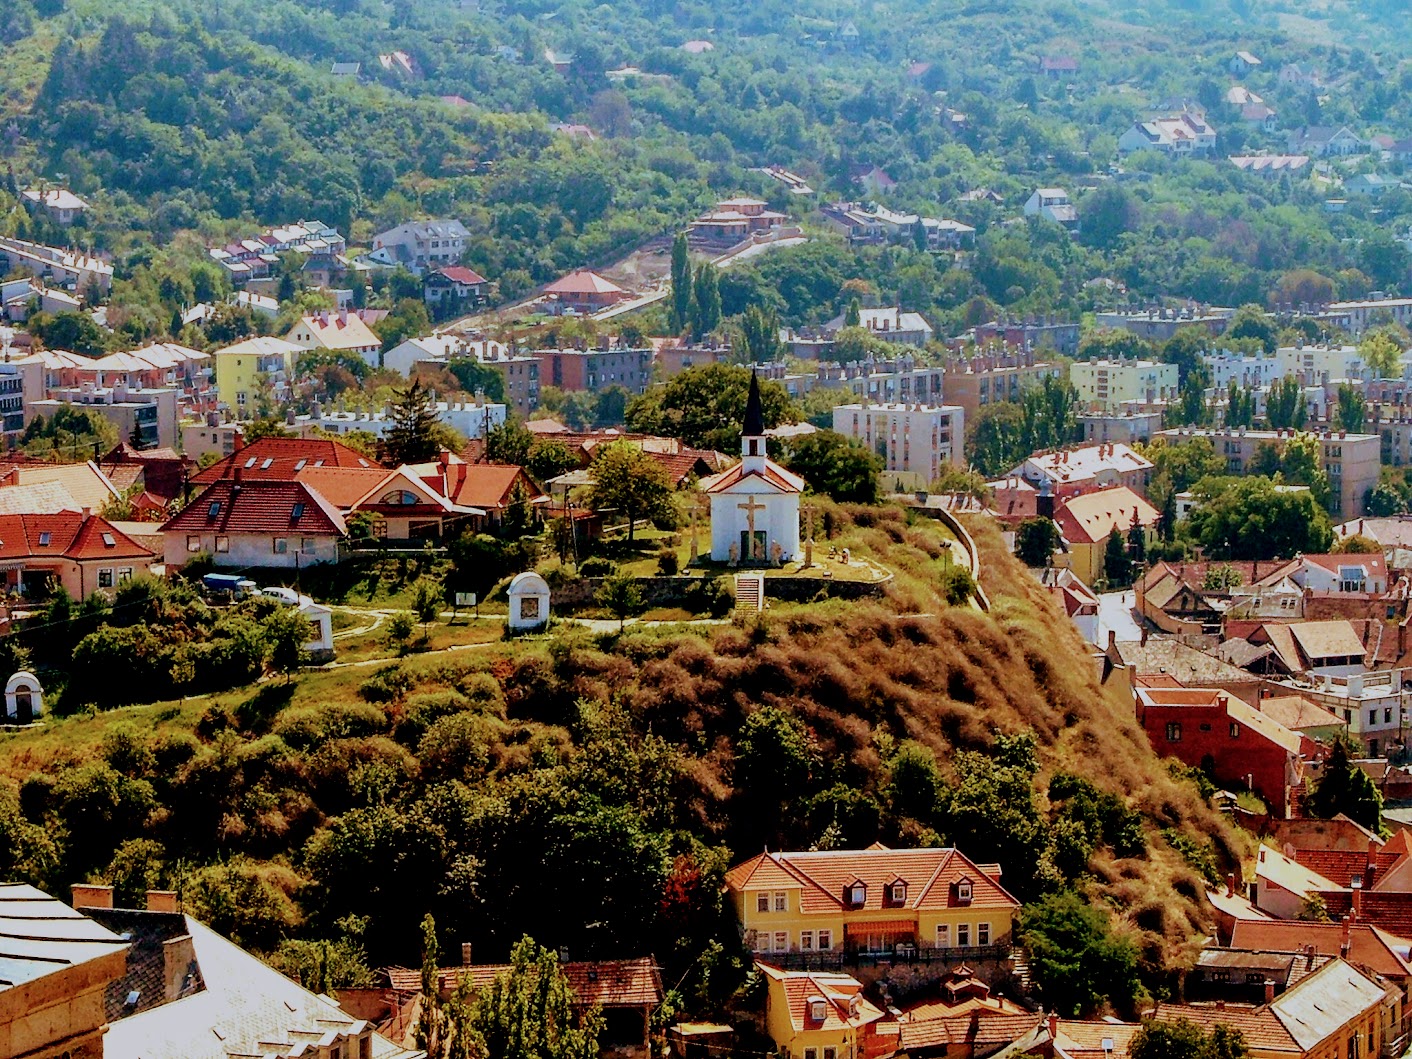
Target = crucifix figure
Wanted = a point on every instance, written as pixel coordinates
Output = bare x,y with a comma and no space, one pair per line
750,507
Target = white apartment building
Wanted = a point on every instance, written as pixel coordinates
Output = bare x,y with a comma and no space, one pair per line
470,419
1108,384
915,441
1371,702
1357,317
1247,372
1319,365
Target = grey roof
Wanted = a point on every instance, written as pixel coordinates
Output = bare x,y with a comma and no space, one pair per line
1316,1013
40,935
243,1008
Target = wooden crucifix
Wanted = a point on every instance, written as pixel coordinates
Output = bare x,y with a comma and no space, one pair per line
750,507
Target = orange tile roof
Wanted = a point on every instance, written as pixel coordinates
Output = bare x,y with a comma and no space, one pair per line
974,1028
774,474
1262,1030
583,282
845,1007
484,485
67,534
1342,866
930,876
1077,1037
342,486
1389,910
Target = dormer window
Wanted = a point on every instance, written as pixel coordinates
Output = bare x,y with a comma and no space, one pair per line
856,895
818,1009
897,893
963,892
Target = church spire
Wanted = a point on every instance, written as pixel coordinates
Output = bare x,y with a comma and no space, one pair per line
754,426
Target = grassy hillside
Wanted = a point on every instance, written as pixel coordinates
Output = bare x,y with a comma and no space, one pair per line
593,789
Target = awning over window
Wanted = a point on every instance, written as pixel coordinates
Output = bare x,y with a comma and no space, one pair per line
890,926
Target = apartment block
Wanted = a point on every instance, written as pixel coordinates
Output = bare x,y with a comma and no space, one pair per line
1109,384
916,441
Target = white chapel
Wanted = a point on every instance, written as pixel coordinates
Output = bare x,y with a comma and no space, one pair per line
755,504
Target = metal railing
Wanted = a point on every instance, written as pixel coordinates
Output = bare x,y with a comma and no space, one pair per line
841,959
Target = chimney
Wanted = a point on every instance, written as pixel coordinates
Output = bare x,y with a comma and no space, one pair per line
1112,639
94,896
238,472
1356,885
1269,990
162,901
1309,957
1346,941
87,514
1230,884
178,962
1053,1024
466,954
1220,1005
1144,636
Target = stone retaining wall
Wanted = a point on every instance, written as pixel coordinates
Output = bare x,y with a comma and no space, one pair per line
670,591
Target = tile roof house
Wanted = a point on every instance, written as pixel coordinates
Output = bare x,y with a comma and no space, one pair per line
409,501
809,1012
420,245
255,523
341,332
281,460
1283,885
1206,728
585,292
79,550
1365,946
455,284
869,900
1315,1017
1087,521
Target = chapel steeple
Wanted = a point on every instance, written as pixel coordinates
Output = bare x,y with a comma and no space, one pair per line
752,434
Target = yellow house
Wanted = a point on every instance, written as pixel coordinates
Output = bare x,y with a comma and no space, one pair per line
870,900
822,1015
1086,521
242,369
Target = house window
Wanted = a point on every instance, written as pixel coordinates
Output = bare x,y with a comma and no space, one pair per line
44,539
222,544
762,902
830,1053
943,935
781,941
898,893
1235,731
124,574
811,1053
193,544
281,545
307,544
982,933
806,941
1174,732
1387,715
213,511
1372,716
963,891
818,1010
781,902
857,895
105,577
963,934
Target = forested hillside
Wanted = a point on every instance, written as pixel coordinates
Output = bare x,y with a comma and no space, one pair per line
509,789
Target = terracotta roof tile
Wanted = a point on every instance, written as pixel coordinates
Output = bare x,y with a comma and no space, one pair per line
66,534
1370,946
282,459
1092,517
607,983
272,507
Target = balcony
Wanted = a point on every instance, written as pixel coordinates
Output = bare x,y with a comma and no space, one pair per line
898,955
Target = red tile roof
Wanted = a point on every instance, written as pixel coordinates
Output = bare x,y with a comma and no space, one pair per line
461,274
342,486
773,473
1342,866
282,459
1389,910
845,1007
484,485
259,506
67,534
930,876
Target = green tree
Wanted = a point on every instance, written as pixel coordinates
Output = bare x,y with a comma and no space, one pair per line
1381,353
705,301
1035,541
1352,409
1251,321
772,766
1250,519
1343,787
1051,415
629,481
838,466
413,436
286,633
1284,407
1185,350
548,459
1300,465
427,596
1078,960
760,330
679,305
529,1011
853,315
72,331
430,1033
1117,564
995,439
1240,406
510,443
1183,1039
621,596
705,407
